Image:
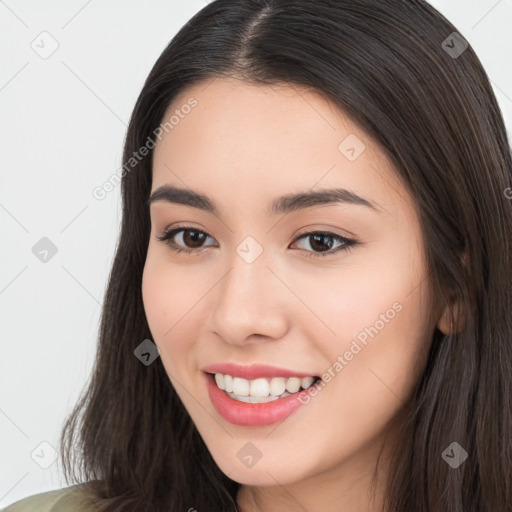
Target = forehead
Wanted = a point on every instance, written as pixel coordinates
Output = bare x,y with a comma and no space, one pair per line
235,112
258,141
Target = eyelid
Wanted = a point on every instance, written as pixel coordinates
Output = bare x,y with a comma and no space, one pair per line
313,228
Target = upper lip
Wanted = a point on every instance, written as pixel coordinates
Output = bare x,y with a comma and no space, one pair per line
253,371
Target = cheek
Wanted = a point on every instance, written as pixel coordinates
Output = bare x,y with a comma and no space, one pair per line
383,296
374,363
157,296
166,292
380,330
171,298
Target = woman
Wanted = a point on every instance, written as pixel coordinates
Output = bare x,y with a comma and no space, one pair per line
309,306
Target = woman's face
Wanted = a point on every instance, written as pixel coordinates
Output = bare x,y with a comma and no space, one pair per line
265,287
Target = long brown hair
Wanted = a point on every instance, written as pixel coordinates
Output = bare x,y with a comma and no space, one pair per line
398,70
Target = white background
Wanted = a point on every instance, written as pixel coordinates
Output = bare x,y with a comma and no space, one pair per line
63,120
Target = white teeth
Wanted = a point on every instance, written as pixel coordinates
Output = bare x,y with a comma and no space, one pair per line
240,386
228,383
219,379
277,386
293,385
306,382
261,389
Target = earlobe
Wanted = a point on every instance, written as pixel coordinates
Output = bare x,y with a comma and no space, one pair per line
444,323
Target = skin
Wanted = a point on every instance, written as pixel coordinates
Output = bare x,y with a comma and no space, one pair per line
242,146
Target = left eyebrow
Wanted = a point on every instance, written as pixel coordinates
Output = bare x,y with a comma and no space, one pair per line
283,204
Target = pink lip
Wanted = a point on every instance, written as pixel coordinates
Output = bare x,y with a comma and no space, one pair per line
252,372
253,415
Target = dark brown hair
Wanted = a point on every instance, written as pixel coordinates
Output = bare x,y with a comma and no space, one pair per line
387,64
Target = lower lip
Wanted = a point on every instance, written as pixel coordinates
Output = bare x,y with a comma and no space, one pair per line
253,415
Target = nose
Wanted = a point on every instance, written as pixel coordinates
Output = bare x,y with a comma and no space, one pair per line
250,303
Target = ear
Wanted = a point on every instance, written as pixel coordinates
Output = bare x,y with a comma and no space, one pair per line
444,324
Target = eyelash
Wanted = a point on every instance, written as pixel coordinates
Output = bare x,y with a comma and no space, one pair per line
347,242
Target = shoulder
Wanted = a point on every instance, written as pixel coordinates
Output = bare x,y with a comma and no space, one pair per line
73,498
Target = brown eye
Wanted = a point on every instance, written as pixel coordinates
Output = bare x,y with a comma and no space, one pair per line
320,242
192,239
323,242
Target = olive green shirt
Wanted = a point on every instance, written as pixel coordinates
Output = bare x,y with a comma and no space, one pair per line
61,500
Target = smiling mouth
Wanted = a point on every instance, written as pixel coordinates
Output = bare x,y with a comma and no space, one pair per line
263,389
